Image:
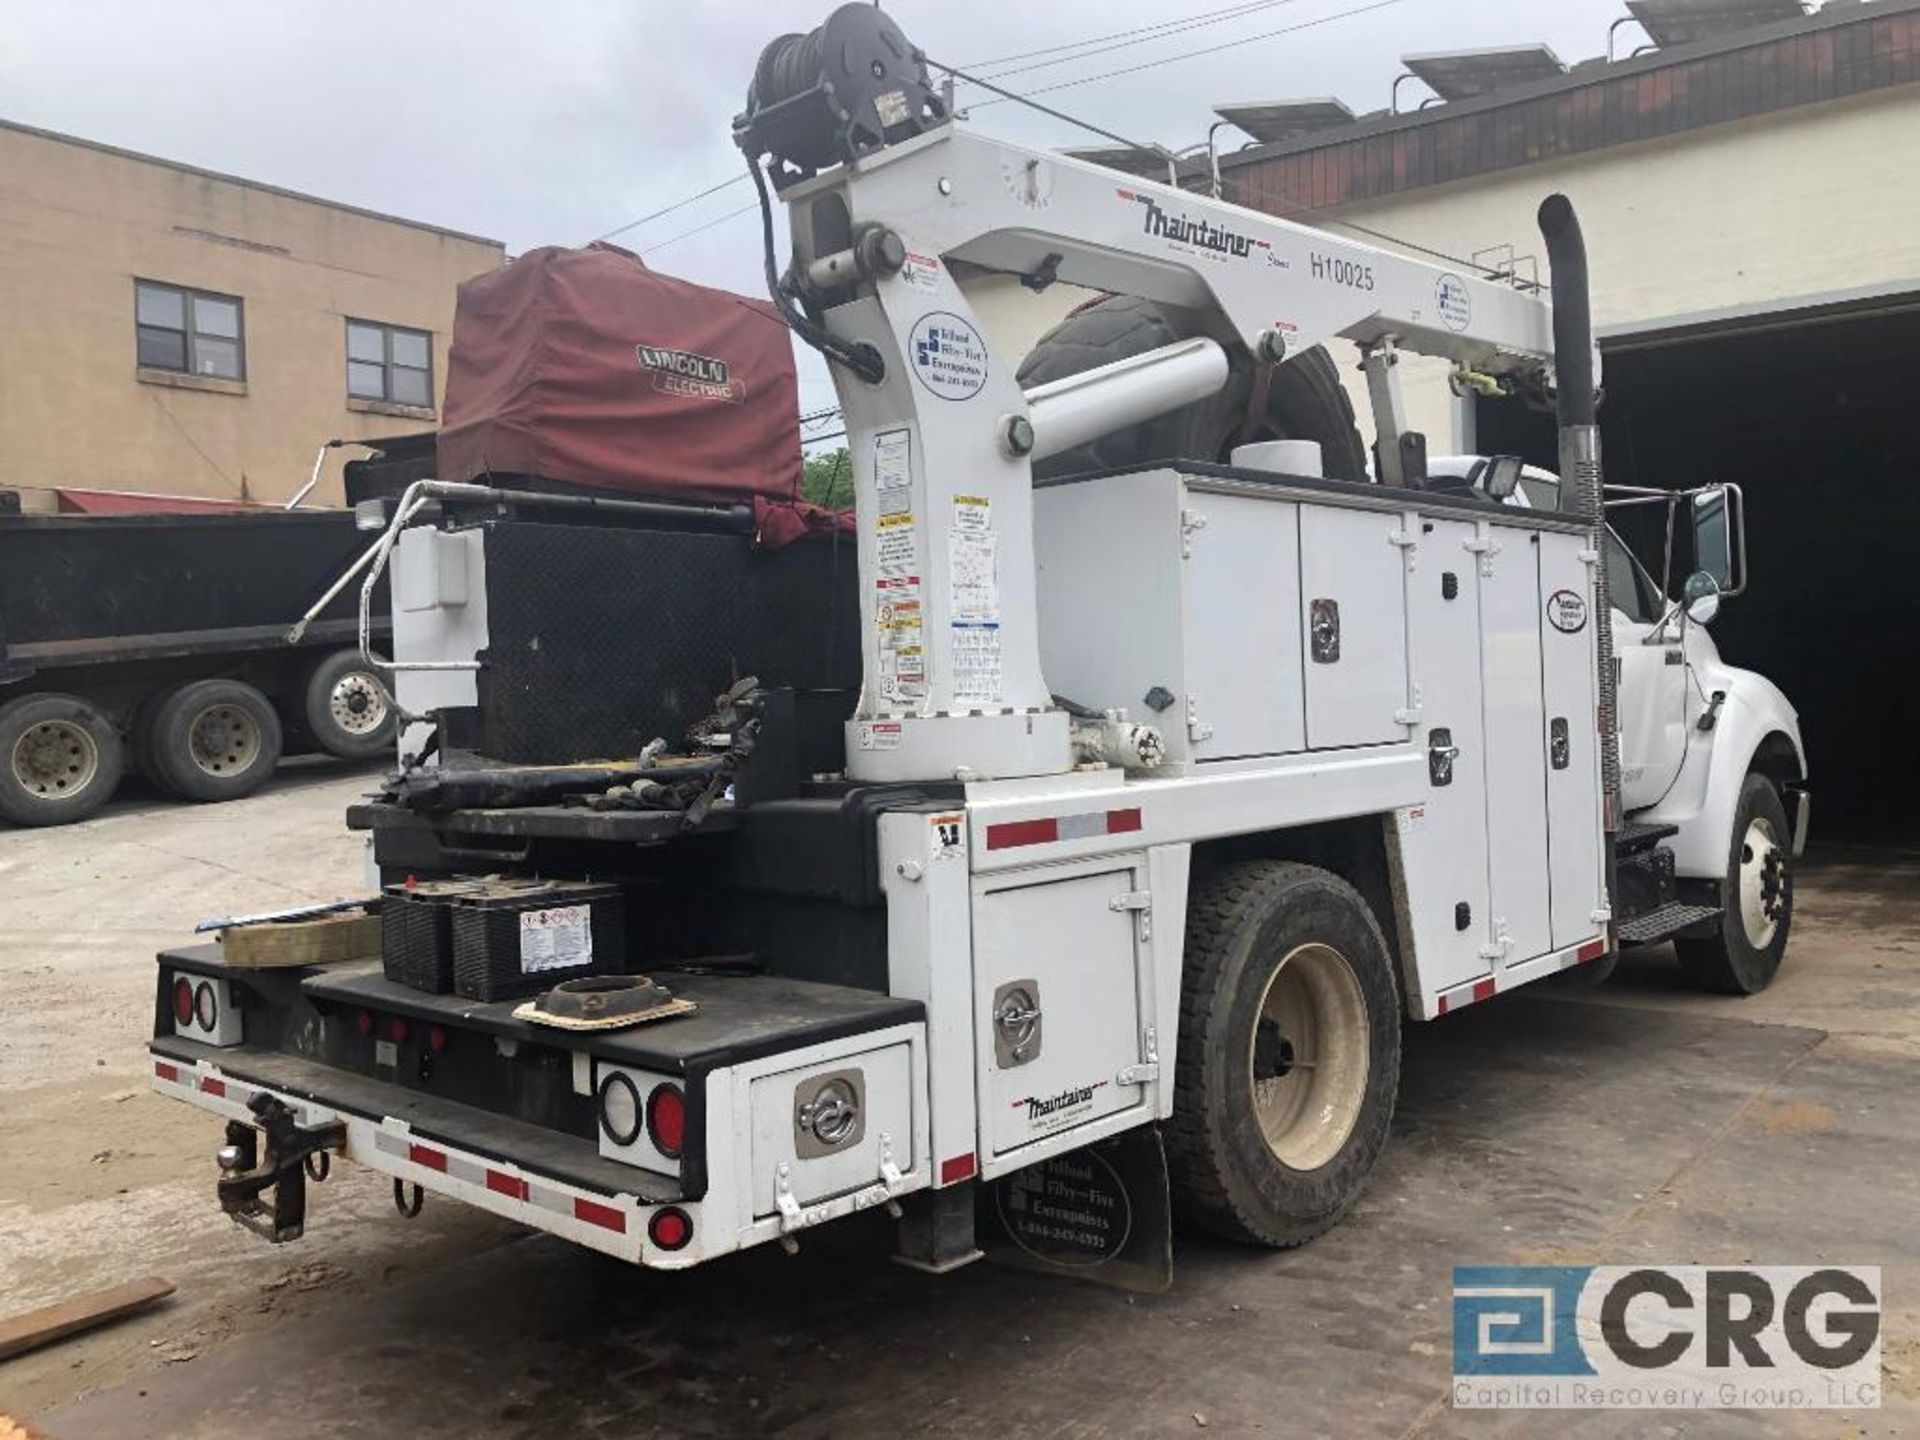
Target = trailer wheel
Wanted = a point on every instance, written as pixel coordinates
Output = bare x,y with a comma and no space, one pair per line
347,709
1289,1053
1743,955
60,759
1305,400
214,740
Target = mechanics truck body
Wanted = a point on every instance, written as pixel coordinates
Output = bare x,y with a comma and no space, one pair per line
1168,791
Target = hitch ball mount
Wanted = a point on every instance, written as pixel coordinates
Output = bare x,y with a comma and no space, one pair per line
293,1152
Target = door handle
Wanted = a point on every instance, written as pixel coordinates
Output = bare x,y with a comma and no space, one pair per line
1441,753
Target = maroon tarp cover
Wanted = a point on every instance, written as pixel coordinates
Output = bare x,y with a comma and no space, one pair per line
585,366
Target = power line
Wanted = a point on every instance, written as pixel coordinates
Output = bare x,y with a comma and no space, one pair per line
1146,30
1314,23
713,189
1175,28
1033,104
698,229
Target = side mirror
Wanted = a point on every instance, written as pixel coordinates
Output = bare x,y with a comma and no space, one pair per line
1502,476
1720,537
1701,597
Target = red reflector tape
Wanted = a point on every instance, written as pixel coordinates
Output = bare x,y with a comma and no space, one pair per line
502,1184
1484,989
1592,950
1012,833
424,1155
960,1167
213,1086
604,1216
166,1072
1009,834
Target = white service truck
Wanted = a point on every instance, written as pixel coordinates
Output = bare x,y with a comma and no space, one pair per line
1171,790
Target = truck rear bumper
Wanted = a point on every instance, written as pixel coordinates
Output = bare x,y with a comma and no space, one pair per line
557,1197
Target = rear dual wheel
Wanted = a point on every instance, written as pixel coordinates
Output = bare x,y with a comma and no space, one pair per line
1289,1053
211,740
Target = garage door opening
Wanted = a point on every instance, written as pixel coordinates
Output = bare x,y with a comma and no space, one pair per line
1815,420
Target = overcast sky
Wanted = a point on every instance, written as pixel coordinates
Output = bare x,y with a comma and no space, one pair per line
552,121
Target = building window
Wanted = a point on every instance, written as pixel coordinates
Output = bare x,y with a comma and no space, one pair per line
189,331
385,362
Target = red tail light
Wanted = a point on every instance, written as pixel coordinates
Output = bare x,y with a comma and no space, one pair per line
437,1037
183,1000
397,1030
667,1120
670,1228
363,1022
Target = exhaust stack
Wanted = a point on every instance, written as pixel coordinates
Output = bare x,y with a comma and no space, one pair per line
1581,479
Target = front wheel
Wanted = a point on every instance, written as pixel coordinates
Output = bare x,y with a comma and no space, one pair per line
1289,1053
1742,956
346,708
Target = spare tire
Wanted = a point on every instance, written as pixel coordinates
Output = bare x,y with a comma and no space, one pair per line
1304,402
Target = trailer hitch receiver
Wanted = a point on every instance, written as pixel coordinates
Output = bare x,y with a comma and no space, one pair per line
246,1174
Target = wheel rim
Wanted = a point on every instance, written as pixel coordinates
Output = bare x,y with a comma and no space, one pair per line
224,740
1762,883
55,758
1308,1058
358,703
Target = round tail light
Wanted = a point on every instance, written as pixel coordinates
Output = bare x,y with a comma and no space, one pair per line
620,1108
667,1120
396,1030
436,1037
183,1001
670,1228
363,1022
206,1009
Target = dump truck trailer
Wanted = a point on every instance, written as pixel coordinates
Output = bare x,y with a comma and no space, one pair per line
158,643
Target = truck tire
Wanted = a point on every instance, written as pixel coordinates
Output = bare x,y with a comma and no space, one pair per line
346,708
1289,1053
1304,402
214,740
60,759
1743,954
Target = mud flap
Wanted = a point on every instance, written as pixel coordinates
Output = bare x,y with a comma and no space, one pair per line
1101,1213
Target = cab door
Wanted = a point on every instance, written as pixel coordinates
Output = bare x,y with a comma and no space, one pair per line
1653,684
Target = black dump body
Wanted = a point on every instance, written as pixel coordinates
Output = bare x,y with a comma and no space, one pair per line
97,591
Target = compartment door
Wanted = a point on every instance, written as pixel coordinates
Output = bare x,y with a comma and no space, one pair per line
1056,1004
1510,618
1444,840
1242,576
1353,617
1572,742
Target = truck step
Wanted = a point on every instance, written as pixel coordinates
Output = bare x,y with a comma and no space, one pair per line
1637,835
1668,919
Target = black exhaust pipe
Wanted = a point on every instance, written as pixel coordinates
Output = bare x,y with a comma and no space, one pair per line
1572,313
1582,484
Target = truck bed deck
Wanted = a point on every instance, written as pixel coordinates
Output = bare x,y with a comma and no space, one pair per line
740,1017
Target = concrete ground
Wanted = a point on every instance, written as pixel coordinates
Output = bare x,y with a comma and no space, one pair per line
1635,1123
